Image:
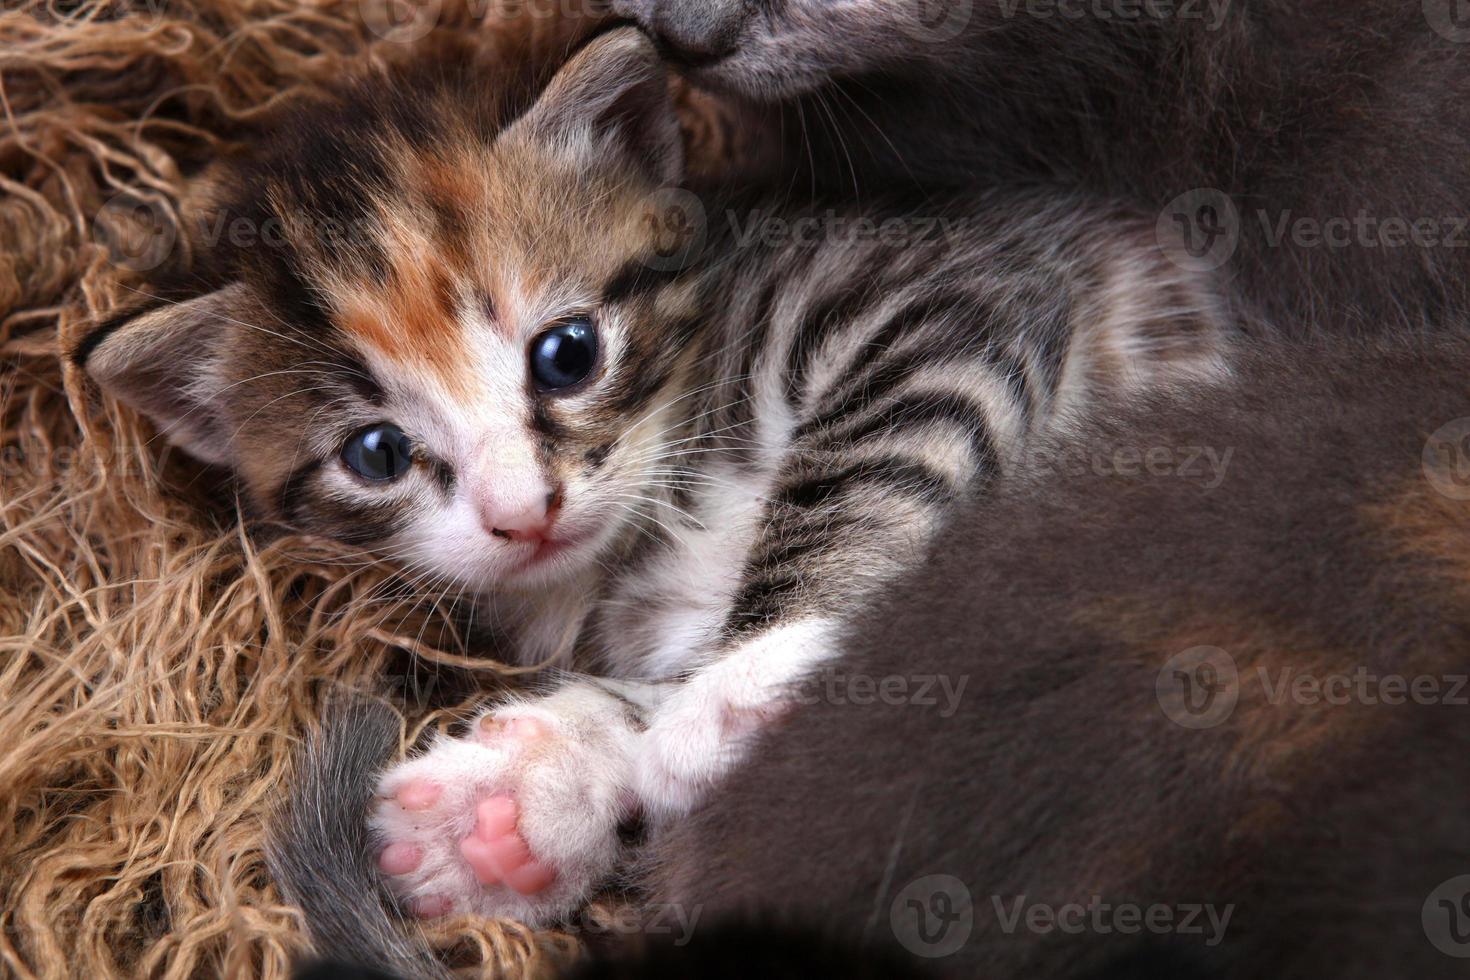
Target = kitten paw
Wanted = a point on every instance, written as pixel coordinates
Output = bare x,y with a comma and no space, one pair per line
517,820
706,727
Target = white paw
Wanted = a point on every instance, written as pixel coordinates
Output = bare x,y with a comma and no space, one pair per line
518,820
705,728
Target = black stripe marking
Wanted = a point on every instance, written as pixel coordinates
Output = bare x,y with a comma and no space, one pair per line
1051,355
635,279
290,493
874,372
819,324
922,409
895,474
758,602
543,423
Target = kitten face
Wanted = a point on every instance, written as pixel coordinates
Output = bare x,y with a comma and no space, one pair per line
447,345
777,49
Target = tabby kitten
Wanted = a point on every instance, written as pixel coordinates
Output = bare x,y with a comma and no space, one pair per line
1041,744
680,477
1292,117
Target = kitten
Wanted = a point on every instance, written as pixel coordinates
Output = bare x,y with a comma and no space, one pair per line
1318,802
1331,140
1038,747
680,478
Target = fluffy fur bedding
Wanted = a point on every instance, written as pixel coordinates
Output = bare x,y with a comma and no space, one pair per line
157,664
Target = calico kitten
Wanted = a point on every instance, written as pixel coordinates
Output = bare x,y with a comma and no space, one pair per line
1039,746
680,478
1309,778
1333,140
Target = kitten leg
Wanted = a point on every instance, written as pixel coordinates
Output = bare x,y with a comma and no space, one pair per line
812,564
703,729
520,817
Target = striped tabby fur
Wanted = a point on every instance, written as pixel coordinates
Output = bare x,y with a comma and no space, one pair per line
772,432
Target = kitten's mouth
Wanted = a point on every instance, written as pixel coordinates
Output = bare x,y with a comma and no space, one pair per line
546,549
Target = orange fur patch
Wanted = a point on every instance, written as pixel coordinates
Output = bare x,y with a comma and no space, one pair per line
414,322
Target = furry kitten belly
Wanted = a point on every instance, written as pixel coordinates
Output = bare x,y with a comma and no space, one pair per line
681,480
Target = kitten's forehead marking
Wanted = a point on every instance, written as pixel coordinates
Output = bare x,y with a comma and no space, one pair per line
413,322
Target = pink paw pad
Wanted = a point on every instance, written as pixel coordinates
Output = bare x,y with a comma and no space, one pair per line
419,794
498,854
400,858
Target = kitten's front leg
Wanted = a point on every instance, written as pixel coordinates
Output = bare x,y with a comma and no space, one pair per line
702,730
819,554
520,817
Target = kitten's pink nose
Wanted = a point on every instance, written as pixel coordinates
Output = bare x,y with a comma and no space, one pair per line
529,519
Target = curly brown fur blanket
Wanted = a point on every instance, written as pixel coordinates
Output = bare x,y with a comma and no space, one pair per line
158,661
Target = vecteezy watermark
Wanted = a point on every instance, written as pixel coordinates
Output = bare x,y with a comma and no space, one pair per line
137,231
1206,465
1198,688
400,21
932,916
1201,687
760,227
1104,918
1365,230
1446,459
935,21
1449,18
1199,229
141,233
1211,12
678,225
673,919
839,687
1446,917
1362,686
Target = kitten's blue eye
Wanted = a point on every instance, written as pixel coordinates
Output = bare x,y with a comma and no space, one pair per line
380,453
564,355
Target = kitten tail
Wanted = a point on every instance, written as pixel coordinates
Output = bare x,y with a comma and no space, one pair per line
321,856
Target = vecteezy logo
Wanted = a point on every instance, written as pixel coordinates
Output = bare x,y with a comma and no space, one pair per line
1199,687
1449,18
676,221
137,232
1447,459
1199,229
933,916
400,21
1446,917
937,21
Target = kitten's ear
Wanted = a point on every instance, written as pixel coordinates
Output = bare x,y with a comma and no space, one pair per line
165,362
613,95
